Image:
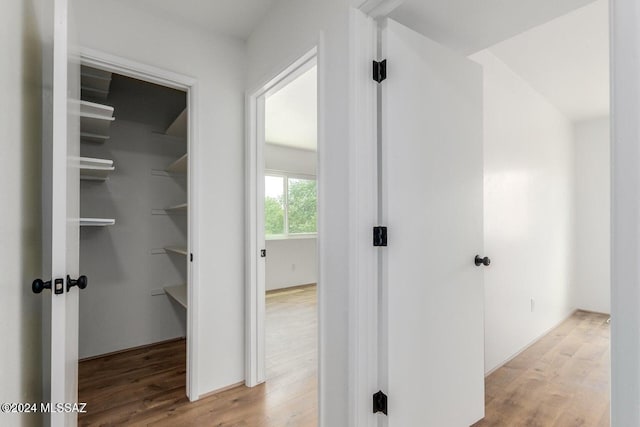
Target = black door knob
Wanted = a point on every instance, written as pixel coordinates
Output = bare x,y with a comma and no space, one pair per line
38,286
81,282
480,261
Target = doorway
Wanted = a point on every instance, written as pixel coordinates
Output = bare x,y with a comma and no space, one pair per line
547,164
514,312
290,228
138,183
283,234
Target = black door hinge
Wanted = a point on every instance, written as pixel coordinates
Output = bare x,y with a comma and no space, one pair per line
191,257
379,236
380,403
263,253
380,70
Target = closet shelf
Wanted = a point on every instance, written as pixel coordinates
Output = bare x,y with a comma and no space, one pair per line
177,208
95,169
179,166
93,92
179,126
178,293
96,222
95,83
177,250
95,119
92,137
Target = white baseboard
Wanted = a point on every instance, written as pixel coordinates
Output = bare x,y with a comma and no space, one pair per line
532,342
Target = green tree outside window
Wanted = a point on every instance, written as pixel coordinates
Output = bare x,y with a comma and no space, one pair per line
293,212
302,206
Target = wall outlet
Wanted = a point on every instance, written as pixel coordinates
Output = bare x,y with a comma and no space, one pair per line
533,305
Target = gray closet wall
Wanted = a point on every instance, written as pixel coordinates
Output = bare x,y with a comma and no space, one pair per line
124,305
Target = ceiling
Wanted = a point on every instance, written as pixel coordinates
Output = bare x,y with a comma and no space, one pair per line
464,25
235,18
291,113
566,60
468,26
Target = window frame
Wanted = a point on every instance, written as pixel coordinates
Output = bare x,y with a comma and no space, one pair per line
286,176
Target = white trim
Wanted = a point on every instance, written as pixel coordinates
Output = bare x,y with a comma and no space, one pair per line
291,236
188,84
254,348
363,273
138,70
379,8
255,280
301,63
625,210
276,172
323,170
531,343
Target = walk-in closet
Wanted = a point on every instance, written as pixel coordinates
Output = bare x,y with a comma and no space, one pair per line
134,216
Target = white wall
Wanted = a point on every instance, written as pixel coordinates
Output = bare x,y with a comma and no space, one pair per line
219,65
288,159
528,155
288,31
593,206
290,262
20,207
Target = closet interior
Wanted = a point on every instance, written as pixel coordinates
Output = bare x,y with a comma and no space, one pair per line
134,225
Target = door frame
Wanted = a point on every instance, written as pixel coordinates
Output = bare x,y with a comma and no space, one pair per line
365,351
150,74
625,184
255,371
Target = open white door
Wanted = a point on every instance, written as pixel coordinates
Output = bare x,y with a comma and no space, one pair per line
61,193
432,204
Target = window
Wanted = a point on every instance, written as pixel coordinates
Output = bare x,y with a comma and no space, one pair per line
290,205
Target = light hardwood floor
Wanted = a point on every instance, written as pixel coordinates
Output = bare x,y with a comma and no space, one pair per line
146,387
560,381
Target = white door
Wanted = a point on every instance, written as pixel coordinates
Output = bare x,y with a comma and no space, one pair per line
61,193
432,204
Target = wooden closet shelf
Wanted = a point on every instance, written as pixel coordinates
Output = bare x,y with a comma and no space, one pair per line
96,222
177,208
180,165
92,137
177,250
179,126
93,109
95,169
95,83
95,118
178,293
93,92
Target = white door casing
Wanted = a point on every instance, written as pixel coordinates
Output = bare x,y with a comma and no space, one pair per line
255,264
432,178
61,195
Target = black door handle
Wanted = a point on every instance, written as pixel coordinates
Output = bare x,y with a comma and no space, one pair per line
480,261
81,282
38,285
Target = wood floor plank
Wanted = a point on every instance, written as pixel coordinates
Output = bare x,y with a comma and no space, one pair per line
560,381
146,387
